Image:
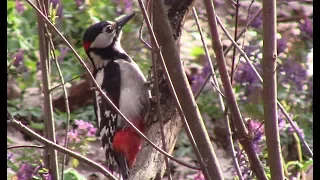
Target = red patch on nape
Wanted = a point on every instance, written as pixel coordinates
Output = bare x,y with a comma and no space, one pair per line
86,45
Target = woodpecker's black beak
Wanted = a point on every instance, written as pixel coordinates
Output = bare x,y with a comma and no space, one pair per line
122,21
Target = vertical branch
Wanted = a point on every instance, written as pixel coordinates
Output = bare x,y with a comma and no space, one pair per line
235,38
164,69
157,94
51,160
221,102
65,96
260,79
242,132
172,61
269,62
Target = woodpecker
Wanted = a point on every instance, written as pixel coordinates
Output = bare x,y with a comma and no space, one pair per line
124,83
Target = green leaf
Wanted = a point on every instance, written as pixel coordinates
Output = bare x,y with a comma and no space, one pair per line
197,51
72,174
92,139
37,126
307,164
294,163
75,162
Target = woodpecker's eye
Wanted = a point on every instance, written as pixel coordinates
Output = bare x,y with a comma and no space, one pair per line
109,29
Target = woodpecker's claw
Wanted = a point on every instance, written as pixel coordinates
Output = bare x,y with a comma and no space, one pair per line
148,84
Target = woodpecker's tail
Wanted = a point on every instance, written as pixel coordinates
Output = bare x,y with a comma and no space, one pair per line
126,144
123,165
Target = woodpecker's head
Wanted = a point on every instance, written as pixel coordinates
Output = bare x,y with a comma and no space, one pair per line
102,40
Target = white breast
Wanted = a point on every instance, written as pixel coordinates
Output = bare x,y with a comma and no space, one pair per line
134,95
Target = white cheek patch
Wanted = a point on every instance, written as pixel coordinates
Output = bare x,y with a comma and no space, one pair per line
103,40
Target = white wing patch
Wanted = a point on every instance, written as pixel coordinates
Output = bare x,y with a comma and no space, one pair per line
99,79
107,113
104,132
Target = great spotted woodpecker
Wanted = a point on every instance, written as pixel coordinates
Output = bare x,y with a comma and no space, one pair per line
123,82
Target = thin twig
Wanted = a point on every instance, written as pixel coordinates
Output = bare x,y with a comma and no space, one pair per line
226,51
157,94
188,105
25,146
197,94
67,81
19,126
140,31
65,96
237,119
50,155
215,83
171,87
12,62
243,31
141,38
206,51
260,79
104,96
235,37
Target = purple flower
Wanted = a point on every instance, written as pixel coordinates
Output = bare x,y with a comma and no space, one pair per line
80,124
73,136
19,7
257,22
79,2
123,6
199,176
243,164
63,53
249,49
257,130
9,156
46,176
245,74
281,45
92,132
291,129
85,128
25,172
281,121
294,73
307,27
18,57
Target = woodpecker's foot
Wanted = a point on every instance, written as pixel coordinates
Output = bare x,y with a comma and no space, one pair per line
148,84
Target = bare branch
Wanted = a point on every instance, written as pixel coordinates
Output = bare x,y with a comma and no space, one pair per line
65,96
215,83
172,90
179,80
19,126
25,146
269,64
61,84
242,132
50,155
261,81
157,94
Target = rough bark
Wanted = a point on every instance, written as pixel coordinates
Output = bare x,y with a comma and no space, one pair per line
150,163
